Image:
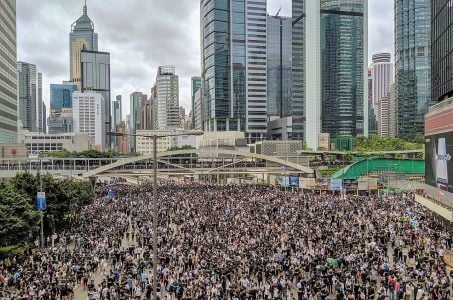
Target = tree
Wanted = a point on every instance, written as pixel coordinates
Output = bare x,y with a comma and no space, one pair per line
19,219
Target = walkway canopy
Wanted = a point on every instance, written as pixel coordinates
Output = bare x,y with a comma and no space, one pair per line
381,165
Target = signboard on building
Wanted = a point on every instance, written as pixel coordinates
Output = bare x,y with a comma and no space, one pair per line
307,183
362,184
324,142
438,162
336,184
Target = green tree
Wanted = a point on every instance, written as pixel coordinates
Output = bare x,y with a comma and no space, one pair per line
19,219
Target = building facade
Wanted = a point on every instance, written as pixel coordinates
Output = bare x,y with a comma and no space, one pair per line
29,96
194,87
41,142
412,64
382,76
8,71
234,66
136,103
88,117
167,98
279,59
117,111
61,96
329,88
81,37
442,49
95,71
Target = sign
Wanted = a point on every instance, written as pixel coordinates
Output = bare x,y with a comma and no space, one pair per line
111,193
372,183
336,184
362,184
307,183
293,181
41,201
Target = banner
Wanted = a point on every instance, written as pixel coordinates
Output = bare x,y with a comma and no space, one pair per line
362,184
293,181
307,183
336,184
372,183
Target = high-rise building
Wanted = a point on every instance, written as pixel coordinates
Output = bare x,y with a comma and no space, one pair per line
136,103
88,117
442,49
8,73
234,66
329,88
82,37
167,98
147,122
44,118
95,71
61,96
279,60
117,111
412,64
30,96
372,121
195,86
382,76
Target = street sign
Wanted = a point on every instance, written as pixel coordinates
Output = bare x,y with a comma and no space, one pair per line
41,201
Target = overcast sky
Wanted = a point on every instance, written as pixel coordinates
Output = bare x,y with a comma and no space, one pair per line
140,36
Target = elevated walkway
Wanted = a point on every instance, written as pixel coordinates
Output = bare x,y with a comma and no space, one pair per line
382,165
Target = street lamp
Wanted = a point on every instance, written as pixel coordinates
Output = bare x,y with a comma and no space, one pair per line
155,137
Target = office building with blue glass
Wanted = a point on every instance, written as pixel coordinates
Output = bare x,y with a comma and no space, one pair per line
61,96
412,64
330,74
234,66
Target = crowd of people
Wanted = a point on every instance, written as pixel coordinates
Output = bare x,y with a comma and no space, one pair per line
239,242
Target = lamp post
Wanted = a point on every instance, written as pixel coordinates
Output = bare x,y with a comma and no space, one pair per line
155,137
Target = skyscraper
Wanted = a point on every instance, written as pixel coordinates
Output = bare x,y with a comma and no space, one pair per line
279,59
88,115
8,71
442,49
412,64
30,96
95,77
167,98
61,96
117,111
81,37
234,66
195,86
136,103
329,92
382,76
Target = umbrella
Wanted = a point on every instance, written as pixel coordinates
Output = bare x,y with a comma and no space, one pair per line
332,261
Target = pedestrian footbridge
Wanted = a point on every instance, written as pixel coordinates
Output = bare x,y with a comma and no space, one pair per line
172,163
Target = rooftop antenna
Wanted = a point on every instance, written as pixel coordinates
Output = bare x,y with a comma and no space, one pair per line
85,10
278,12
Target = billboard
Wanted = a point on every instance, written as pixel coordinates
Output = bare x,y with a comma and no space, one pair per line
438,164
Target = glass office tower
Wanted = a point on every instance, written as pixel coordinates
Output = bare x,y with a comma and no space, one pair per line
342,63
442,49
234,66
279,58
95,77
61,96
412,64
8,73
329,68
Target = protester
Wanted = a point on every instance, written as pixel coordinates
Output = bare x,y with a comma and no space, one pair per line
239,242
